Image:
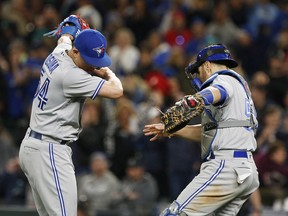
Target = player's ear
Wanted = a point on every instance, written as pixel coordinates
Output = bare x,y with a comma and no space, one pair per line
75,50
207,66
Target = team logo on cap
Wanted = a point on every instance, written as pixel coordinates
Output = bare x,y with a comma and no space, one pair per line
99,50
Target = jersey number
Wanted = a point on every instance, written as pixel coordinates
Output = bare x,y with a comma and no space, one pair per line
41,94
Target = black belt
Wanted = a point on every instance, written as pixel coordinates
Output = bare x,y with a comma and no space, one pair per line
236,154
39,136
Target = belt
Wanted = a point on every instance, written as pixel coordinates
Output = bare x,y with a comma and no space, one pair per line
39,136
236,154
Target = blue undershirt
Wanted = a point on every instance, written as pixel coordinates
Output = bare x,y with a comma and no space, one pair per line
208,97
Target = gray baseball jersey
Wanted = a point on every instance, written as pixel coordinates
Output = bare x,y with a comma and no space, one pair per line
237,108
60,96
229,175
55,119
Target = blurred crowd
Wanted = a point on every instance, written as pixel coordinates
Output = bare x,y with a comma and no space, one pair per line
150,43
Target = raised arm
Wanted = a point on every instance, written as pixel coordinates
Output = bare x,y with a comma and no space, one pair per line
65,38
112,88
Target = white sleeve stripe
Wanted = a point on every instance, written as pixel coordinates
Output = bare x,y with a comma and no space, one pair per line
97,89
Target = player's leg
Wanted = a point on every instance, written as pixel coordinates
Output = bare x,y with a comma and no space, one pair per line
57,188
214,186
246,188
39,204
28,158
208,190
232,208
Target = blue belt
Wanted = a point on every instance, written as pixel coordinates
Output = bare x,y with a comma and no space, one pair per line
236,154
38,136
240,154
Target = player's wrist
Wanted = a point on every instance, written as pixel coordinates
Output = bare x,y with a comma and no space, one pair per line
65,39
69,36
110,73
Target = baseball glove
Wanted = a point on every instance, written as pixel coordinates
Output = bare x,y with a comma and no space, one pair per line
72,25
178,116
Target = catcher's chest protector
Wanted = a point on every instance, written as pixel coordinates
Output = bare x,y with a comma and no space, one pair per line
225,126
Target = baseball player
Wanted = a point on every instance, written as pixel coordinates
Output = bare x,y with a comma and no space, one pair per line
228,174
65,82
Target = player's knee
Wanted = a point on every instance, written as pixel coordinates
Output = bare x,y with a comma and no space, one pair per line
173,210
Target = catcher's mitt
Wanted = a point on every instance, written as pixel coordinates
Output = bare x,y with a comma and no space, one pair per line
178,116
72,25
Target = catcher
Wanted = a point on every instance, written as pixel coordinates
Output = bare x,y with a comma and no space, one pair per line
228,175
65,82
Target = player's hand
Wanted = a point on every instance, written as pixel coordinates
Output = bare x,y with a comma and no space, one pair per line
99,72
68,35
103,72
71,25
154,129
66,38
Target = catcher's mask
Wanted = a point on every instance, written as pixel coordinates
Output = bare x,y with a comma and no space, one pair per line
217,53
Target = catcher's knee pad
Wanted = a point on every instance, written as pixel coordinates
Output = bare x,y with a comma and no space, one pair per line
173,210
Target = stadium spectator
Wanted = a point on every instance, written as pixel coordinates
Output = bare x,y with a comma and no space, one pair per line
139,190
92,136
269,130
178,34
273,173
13,183
8,148
223,28
124,136
123,53
139,21
100,188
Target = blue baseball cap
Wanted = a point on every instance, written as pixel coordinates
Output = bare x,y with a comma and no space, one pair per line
92,47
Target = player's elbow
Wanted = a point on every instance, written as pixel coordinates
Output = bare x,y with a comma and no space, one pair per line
118,93
115,92
111,90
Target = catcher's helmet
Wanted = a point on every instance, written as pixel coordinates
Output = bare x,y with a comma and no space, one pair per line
217,53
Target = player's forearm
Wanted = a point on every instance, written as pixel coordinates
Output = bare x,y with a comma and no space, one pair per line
112,88
191,132
66,38
116,84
